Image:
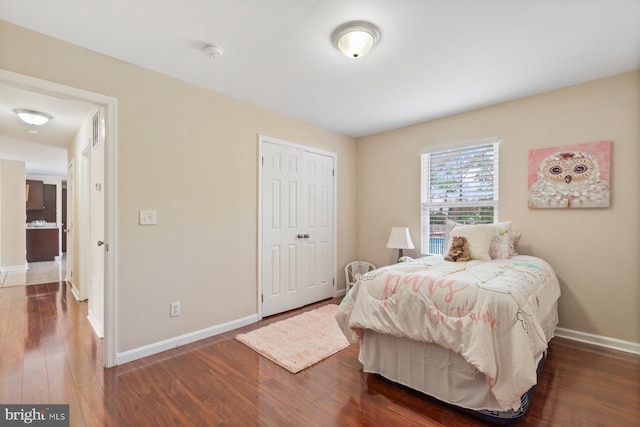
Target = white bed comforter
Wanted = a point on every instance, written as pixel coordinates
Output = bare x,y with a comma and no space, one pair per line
495,314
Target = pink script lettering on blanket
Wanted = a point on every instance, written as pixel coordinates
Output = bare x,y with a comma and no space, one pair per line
394,281
468,310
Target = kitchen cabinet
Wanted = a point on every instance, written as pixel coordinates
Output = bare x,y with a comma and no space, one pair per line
35,195
48,211
42,244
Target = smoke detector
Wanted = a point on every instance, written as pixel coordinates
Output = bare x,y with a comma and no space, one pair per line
213,52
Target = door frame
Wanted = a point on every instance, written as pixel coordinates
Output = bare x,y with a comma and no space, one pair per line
71,191
262,139
110,106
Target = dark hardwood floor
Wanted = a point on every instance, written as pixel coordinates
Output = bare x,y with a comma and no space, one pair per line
49,354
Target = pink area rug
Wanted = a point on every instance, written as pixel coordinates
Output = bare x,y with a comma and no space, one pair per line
300,341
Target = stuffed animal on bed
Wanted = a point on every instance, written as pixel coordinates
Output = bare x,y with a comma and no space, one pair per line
459,250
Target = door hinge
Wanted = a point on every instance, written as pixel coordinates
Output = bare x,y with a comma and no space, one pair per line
262,298
262,160
334,172
334,281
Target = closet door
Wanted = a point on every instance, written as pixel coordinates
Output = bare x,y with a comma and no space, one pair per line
282,200
297,227
318,227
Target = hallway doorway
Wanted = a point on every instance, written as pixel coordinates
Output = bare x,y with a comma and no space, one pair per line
108,188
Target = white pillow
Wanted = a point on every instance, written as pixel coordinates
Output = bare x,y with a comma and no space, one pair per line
502,244
499,247
479,239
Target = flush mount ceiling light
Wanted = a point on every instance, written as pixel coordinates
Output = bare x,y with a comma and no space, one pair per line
356,38
213,51
32,117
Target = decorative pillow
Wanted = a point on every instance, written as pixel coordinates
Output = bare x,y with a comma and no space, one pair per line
502,245
513,242
499,248
479,238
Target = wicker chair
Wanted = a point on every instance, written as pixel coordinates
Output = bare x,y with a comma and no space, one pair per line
354,270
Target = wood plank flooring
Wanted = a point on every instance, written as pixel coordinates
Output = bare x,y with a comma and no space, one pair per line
49,354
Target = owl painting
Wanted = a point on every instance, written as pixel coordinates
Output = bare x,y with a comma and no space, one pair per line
569,179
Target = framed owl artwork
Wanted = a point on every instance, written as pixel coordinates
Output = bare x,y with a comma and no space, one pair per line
573,176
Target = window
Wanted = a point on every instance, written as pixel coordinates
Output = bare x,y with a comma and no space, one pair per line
459,184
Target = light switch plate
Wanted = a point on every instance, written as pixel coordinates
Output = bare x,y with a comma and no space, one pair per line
147,217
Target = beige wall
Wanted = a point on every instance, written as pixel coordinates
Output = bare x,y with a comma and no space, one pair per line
13,237
594,251
191,155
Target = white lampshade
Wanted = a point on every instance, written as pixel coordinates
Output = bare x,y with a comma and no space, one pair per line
400,239
355,39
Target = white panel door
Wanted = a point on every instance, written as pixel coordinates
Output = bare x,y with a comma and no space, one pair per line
297,228
281,197
96,291
318,233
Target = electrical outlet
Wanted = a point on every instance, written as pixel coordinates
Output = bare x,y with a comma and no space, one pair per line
147,218
174,309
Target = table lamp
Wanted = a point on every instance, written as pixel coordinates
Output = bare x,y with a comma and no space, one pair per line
400,239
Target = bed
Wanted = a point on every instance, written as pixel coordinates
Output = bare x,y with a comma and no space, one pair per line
471,334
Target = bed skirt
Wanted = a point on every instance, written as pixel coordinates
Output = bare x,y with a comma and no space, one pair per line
439,373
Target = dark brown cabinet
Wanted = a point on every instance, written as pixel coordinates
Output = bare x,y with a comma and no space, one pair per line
42,244
35,195
48,211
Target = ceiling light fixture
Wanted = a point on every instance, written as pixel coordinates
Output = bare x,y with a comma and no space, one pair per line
32,117
356,38
213,51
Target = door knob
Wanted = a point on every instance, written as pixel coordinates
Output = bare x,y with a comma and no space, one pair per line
100,243
300,236
306,236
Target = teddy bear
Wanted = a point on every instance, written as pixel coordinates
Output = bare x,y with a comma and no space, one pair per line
459,250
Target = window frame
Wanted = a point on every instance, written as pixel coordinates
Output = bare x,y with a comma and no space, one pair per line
426,204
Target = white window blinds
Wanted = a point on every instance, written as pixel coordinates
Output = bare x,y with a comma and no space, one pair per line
460,184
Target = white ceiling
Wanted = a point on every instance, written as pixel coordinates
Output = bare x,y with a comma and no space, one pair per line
42,148
434,58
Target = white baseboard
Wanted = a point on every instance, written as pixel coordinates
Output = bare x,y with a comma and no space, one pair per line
341,293
15,269
158,347
75,293
599,340
97,327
